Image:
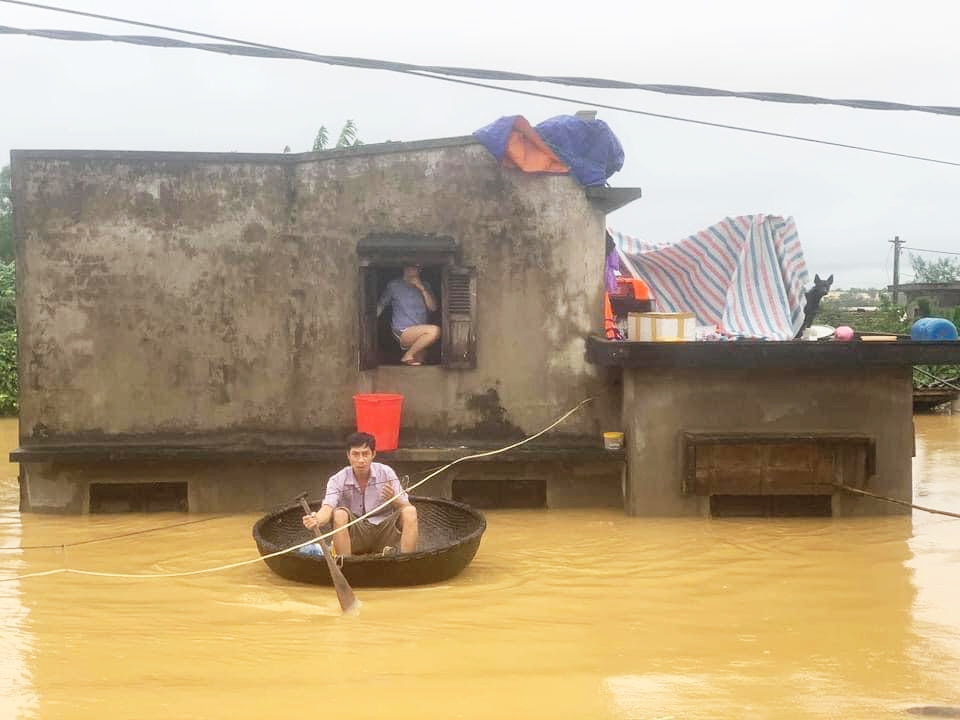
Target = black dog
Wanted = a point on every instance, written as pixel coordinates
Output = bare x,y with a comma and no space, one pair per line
814,295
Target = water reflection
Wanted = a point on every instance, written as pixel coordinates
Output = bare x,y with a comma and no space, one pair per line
935,546
803,617
561,615
17,696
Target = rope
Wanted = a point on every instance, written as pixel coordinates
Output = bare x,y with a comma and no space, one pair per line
105,538
939,379
898,502
261,558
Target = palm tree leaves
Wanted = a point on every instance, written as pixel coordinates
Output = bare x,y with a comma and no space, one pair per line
346,138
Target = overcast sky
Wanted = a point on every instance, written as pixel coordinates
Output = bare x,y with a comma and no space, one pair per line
847,204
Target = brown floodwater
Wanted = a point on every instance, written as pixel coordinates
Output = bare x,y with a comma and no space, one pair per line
562,614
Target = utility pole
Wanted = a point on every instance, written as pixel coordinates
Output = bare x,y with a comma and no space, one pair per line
897,242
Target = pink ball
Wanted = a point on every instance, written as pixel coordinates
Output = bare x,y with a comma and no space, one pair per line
844,332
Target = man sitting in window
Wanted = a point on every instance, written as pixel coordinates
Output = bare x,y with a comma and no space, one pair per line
411,301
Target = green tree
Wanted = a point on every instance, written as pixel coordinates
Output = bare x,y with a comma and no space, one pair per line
942,270
8,340
347,138
6,215
887,318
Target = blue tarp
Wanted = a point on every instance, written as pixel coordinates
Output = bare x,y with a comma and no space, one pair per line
495,135
589,147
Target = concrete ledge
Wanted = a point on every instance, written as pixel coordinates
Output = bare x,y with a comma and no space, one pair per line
753,354
102,452
232,483
165,156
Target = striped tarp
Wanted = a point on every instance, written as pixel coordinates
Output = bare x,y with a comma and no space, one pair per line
745,276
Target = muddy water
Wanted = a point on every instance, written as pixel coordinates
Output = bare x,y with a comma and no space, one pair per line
561,615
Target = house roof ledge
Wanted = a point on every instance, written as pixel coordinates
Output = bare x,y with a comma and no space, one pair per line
609,199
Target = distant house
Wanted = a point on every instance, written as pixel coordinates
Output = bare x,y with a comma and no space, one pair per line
940,294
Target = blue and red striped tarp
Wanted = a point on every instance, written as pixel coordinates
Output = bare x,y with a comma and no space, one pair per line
745,276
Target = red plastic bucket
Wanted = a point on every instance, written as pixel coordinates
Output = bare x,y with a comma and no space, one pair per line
379,415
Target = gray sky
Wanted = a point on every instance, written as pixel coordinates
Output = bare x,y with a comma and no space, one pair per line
847,204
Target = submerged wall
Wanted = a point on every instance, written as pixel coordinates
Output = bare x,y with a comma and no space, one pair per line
661,406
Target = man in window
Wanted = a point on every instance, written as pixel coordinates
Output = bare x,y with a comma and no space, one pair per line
411,301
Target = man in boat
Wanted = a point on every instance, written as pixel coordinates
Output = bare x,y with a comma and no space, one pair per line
360,487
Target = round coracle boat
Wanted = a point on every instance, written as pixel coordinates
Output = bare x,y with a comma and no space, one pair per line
449,537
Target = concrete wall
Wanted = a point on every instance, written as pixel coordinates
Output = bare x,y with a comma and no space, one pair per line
659,405
192,295
225,486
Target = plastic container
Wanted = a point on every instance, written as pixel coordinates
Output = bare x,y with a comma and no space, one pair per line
379,415
662,327
843,333
933,329
633,287
613,440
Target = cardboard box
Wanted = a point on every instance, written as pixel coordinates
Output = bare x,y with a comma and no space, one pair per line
661,327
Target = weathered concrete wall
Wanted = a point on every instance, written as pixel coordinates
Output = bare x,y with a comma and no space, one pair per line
222,487
245,486
187,295
659,405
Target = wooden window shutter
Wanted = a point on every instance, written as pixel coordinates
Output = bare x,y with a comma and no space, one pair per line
368,318
458,341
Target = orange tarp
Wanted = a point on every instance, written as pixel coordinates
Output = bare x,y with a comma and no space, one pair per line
527,151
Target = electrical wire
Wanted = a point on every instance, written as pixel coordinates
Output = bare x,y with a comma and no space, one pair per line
250,51
502,75
938,252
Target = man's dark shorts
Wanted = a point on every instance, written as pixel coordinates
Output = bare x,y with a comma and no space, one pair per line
366,537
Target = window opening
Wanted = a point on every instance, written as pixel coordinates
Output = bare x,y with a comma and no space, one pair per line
728,506
388,347
492,493
455,290
138,497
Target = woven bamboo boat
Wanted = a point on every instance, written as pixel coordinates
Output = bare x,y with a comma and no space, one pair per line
449,537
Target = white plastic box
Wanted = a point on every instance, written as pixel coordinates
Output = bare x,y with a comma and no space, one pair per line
662,327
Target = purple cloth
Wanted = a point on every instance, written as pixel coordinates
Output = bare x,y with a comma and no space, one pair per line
343,490
610,271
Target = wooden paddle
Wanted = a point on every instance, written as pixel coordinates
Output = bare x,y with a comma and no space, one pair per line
344,592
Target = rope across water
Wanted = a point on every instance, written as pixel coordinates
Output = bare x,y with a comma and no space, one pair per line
261,558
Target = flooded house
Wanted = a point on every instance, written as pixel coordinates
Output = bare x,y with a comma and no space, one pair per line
194,327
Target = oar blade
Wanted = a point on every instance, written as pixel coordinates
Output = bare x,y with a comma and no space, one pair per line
345,596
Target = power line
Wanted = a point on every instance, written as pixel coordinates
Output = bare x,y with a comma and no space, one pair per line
938,252
266,52
707,123
502,75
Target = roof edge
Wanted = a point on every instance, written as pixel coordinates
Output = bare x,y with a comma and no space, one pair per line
385,148
611,199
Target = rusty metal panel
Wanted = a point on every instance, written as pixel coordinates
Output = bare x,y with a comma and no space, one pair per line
737,470
775,465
